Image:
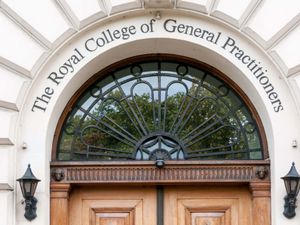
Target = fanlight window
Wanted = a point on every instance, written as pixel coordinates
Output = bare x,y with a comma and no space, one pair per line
159,110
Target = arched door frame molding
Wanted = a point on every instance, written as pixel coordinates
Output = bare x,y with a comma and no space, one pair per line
161,57
254,173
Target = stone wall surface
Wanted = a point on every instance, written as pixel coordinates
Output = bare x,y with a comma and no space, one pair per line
36,34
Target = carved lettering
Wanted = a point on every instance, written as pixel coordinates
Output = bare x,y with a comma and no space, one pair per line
170,25
42,101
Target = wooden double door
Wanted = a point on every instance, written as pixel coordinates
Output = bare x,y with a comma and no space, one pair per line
149,205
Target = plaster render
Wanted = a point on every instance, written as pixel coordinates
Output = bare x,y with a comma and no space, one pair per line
30,51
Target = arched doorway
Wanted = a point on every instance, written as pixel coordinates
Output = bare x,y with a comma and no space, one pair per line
171,132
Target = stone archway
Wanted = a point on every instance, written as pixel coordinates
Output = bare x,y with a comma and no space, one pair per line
23,72
161,156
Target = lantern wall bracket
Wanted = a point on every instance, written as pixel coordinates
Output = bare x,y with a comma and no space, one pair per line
28,184
30,208
289,206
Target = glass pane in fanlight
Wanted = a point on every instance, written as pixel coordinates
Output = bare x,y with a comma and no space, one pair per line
187,104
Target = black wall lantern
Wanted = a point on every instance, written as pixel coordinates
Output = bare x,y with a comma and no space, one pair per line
28,184
292,186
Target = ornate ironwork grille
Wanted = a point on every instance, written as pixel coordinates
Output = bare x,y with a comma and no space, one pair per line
159,110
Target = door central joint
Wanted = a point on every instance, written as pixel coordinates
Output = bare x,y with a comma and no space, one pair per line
160,205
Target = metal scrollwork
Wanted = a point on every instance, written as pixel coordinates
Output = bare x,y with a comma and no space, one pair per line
159,111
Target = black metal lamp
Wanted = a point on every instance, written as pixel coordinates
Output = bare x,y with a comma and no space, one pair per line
292,186
28,184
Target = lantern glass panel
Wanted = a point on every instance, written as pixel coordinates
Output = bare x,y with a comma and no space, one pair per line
22,187
27,188
297,186
287,184
294,185
33,187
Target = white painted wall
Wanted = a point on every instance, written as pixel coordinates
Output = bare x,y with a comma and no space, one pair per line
39,36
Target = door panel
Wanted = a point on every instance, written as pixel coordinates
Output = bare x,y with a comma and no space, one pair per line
182,206
113,206
107,212
207,211
114,218
207,218
207,206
